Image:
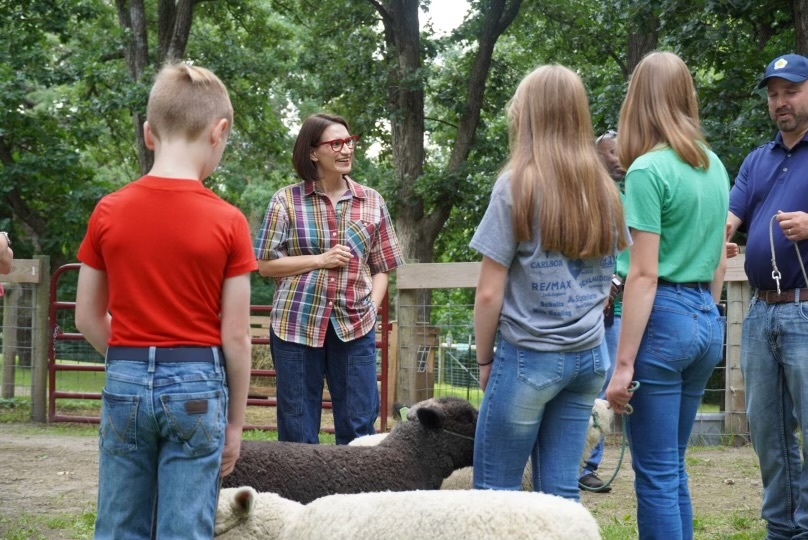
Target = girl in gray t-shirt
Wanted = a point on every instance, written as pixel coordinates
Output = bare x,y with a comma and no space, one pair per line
548,239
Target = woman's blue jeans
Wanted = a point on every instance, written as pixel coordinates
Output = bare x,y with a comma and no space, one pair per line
350,369
774,362
161,439
680,348
536,405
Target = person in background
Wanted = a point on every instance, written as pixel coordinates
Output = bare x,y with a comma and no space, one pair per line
549,238
769,201
164,294
329,243
607,149
671,334
6,256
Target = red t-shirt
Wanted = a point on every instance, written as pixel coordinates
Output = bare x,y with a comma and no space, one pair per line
166,246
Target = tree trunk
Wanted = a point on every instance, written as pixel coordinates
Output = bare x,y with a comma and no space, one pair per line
417,230
174,19
642,36
801,27
132,17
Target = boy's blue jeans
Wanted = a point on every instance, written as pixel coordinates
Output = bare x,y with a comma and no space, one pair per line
681,346
350,369
774,362
161,439
536,405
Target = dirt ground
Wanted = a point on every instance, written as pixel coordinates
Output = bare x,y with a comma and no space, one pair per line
54,474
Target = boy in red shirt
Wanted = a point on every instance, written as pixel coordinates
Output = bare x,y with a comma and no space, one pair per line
164,294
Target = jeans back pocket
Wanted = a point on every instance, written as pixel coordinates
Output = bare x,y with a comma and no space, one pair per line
118,431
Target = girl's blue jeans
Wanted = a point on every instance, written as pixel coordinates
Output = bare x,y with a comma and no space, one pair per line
681,346
536,405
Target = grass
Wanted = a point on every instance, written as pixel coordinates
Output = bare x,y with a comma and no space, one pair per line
77,526
473,395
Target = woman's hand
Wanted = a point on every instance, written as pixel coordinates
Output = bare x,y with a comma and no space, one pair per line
335,257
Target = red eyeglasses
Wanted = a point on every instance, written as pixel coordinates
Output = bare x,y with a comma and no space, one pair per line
336,144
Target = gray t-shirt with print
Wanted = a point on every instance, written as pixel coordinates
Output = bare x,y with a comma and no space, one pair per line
551,302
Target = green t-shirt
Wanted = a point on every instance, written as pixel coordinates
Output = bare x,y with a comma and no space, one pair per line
621,263
685,206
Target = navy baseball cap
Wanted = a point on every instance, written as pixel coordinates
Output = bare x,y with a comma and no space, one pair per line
791,67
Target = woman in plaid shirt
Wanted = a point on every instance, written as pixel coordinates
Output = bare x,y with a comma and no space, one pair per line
329,243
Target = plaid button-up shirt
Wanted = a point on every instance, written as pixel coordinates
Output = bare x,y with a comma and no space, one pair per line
301,220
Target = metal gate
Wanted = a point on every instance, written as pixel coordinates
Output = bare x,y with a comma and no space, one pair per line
69,353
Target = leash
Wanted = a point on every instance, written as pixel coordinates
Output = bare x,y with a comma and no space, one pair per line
629,409
776,271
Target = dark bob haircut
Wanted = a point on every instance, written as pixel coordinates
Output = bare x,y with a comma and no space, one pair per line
310,133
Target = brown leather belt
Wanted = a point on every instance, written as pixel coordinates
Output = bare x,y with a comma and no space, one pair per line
788,295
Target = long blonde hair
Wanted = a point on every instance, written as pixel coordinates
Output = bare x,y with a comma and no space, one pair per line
554,164
661,107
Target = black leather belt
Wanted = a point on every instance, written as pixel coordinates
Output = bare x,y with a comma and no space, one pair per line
164,355
687,284
783,297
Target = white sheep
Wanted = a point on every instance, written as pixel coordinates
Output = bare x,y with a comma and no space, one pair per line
368,440
244,514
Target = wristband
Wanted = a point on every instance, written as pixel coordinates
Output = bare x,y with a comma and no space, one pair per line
486,363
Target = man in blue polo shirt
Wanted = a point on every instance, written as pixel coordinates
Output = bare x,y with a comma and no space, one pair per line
770,200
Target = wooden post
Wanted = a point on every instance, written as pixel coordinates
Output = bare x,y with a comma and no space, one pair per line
407,310
738,296
40,342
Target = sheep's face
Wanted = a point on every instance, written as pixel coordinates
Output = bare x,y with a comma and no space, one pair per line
235,506
602,417
445,413
454,421
243,514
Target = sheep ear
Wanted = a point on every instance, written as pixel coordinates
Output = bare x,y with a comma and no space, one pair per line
244,501
431,418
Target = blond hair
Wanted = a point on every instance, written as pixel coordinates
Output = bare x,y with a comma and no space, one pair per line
661,108
553,164
185,100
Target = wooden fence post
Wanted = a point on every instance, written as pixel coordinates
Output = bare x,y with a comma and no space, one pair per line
738,296
39,343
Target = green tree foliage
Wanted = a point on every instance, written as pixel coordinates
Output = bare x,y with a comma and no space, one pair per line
46,188
68,99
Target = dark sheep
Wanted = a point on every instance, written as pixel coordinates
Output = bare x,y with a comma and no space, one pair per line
417,455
